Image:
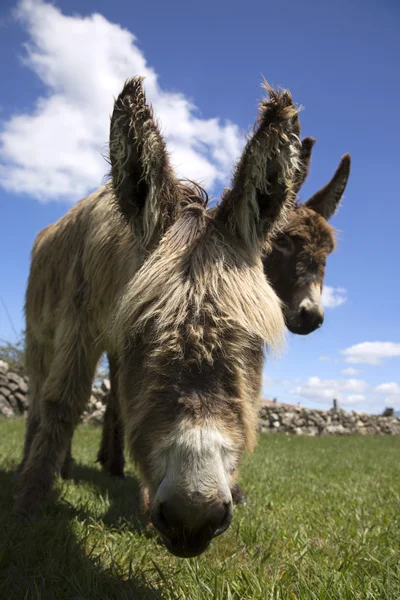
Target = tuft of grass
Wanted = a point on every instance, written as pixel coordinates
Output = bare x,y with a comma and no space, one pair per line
323,523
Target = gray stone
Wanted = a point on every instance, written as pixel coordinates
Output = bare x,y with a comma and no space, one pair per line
13,402
312,431
15,378
95,418
336,430
5,391
106,386
5,408
22,400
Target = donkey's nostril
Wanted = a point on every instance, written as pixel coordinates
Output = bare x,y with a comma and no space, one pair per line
175,519
311,318
226,519
159,519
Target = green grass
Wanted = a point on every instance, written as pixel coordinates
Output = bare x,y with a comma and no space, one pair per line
323,522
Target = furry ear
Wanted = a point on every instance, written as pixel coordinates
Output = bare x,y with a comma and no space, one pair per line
305,160
145,186
262,191
326,201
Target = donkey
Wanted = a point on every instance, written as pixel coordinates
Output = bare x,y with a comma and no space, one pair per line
295,267
179,298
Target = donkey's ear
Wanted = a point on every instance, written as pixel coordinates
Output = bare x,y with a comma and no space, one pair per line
144,183
326,201
262,190
304,165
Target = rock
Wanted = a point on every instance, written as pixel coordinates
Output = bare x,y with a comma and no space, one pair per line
17,379
5,391
13,403
98,393
5,408
3,366
106,386
22,400
312,431
95,418
276,424
336,430
23,387
289,416
388,412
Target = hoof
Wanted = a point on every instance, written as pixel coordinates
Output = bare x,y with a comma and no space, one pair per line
25,509
112,470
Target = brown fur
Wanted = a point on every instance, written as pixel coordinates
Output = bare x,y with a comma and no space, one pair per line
178,297
310,240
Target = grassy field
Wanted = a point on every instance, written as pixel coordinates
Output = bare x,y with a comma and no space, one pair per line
323,522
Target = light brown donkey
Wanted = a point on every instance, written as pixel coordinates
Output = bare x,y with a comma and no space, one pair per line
180,299
295,267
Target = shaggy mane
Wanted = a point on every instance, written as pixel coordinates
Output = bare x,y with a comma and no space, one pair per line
193,286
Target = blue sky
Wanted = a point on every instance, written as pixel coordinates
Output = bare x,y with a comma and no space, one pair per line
63,63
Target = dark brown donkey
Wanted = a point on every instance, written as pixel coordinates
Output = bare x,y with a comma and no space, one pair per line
140,270
295,267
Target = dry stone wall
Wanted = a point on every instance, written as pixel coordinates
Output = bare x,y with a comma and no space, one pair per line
274,417
14,396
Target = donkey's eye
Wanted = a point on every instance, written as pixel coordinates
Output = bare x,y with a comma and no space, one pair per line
284,244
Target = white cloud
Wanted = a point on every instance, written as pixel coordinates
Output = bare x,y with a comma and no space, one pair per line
354,399
323,390
325,358
392,390
388,388
371,353
351,371
285,382
333,297
54,151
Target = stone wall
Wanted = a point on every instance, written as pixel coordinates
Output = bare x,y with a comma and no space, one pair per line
14,396
13,392
274,417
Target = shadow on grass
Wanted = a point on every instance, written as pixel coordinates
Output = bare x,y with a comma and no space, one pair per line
43,559
123,495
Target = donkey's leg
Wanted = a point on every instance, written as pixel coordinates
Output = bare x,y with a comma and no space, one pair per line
64,396
38,357
238,495
66,467
111,453
32,426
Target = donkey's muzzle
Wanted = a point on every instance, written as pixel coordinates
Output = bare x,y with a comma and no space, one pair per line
187,530
305,320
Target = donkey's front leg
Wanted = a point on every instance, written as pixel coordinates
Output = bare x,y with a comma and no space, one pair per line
65,394
66,467
45,458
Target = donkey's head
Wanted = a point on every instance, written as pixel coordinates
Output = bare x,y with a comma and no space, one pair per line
192,325
296,265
